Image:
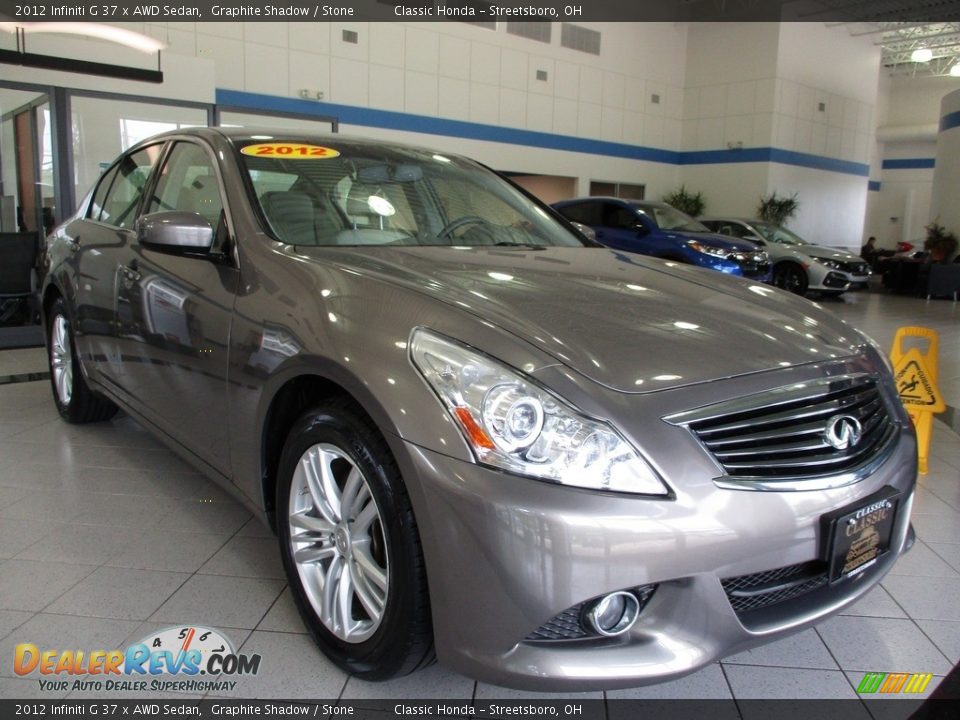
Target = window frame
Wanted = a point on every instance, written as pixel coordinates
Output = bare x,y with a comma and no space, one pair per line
113,170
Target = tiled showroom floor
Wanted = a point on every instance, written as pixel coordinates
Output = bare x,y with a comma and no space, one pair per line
105,535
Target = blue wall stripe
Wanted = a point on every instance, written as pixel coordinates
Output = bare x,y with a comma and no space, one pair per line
770,154
950,121
908,163
873,186
368,117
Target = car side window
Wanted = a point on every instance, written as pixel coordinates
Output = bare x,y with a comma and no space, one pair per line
100,194
188,183
585,213
736,230
119,205
618,217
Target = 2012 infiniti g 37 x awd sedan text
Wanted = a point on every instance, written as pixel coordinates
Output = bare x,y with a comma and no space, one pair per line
478,436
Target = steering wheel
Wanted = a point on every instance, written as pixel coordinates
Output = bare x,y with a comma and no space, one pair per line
450,227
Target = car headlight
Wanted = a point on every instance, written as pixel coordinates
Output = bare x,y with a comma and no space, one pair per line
879,351
513,424
830,263
707,249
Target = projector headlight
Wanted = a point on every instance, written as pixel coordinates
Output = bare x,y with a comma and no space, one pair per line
513,424
708,249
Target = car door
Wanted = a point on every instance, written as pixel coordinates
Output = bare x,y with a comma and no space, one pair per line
101,243
177,308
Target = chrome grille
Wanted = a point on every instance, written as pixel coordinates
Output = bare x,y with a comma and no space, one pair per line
781,435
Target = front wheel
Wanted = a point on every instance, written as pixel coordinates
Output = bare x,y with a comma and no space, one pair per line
75,401
350,545
791,277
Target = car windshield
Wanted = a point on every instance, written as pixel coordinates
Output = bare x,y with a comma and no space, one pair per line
669,218
348,194
780,235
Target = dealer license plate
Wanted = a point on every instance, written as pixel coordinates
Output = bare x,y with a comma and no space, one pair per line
858,535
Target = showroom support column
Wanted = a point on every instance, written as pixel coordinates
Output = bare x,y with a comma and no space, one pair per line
945,202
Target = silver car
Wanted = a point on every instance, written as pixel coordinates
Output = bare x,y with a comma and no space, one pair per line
477,436
798,266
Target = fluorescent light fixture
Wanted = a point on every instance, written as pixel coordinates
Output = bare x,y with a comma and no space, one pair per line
955,70
922,55
110,33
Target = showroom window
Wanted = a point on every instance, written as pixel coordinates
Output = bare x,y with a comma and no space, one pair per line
615,189
104,127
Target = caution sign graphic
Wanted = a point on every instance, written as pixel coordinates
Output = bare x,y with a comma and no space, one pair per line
914,384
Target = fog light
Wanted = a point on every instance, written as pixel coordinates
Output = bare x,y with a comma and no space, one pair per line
612,614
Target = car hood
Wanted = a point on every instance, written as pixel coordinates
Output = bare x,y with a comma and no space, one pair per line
627,322
828,253
724,241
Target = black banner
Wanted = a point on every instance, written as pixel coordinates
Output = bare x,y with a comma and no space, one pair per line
479,11
411,709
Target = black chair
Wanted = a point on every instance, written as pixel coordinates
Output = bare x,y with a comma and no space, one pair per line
18,279
943,279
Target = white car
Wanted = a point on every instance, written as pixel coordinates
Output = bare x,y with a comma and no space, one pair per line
798,266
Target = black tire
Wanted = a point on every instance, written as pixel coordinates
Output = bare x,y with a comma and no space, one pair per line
402,639
74,399
791,277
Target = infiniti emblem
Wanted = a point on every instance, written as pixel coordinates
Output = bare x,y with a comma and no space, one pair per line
843,431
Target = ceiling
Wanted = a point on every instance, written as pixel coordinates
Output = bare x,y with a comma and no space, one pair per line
898,40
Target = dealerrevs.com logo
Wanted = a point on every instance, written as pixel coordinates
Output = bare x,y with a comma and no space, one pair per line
187,652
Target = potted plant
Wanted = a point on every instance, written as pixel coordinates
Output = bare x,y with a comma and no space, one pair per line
777,209
940,242
686,202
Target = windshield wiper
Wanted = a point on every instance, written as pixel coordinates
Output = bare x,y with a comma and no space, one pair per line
507,243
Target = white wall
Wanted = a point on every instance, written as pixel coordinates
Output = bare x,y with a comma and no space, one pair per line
910,109
832,205
945,209
729,189
760,85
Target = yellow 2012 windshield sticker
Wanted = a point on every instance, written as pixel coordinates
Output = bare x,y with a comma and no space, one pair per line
290,151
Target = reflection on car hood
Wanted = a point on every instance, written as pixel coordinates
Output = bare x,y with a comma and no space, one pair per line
821,251
723,241
628,322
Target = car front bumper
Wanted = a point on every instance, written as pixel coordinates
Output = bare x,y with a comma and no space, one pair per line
506,554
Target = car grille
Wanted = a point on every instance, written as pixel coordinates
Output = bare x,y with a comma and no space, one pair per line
763,589
855,267
751,263
567,625
782,434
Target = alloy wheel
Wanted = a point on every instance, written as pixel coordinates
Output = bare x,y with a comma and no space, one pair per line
61,359
337,543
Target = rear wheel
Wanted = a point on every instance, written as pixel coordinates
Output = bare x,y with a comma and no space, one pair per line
790,277
350,545
74,399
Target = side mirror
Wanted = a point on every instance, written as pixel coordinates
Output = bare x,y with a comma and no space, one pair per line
176,231
641,229
758,240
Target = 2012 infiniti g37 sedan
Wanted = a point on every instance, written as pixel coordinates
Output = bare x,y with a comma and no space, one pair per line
478,436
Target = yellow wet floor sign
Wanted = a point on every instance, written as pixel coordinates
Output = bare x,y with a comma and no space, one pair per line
918,392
